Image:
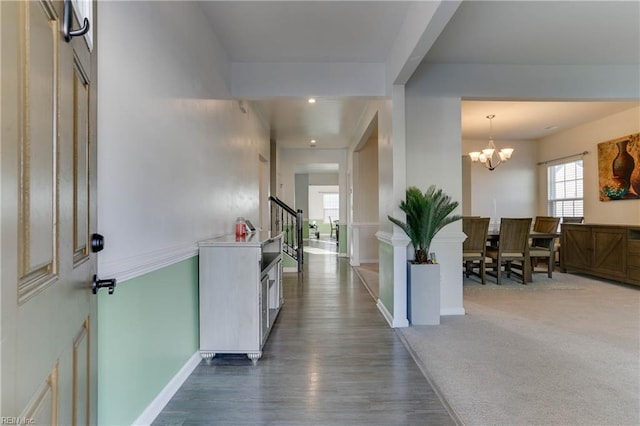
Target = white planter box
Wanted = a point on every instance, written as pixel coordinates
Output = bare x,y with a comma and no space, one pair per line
423,293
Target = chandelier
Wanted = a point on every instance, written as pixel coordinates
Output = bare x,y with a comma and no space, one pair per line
486,157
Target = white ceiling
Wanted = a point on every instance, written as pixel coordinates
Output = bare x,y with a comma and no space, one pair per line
541,33
306,31
515,32
531,120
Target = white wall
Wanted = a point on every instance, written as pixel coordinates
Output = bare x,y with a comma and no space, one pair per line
510,189
386,199
365,182
586,138
176,165
302,194
289,158
323,179
316,200
365,201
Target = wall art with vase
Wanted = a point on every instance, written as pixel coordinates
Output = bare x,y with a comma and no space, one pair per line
619,168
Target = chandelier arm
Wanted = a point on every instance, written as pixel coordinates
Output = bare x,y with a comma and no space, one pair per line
484,158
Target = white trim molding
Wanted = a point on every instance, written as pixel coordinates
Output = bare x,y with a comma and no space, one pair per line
162,399
395,240
385,312
135,266
452,311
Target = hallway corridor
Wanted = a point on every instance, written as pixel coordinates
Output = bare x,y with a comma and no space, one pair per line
330,360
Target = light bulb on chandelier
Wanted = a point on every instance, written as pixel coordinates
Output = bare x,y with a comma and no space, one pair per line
486,157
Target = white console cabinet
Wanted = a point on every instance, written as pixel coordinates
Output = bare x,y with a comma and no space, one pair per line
240,293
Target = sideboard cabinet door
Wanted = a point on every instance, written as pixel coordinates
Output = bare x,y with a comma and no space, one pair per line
610,251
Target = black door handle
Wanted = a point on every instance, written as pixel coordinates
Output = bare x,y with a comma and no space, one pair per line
97,243
98,284
67,32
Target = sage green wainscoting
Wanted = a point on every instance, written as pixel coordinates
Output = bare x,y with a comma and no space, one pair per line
305,229
385,275
289,262
342,243
147,330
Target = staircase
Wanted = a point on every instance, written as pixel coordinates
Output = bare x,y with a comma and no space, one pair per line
288,221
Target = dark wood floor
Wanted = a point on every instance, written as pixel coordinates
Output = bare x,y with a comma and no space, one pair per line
331,359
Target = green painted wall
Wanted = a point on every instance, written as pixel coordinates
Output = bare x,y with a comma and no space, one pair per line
288,261
147,330
342,244
305,229
386,275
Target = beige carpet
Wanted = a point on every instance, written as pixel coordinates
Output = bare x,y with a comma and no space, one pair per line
555,352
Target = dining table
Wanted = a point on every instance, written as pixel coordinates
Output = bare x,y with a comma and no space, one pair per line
493,238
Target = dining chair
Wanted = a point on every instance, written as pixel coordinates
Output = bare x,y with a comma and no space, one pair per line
332,226
546,224
512,246
474,247
543,248
572,219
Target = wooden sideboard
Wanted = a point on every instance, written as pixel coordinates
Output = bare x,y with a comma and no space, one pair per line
606,251
240,293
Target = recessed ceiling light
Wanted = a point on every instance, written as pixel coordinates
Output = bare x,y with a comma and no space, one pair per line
312,100
313,141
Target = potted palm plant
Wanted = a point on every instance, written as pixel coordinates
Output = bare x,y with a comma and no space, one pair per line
427,213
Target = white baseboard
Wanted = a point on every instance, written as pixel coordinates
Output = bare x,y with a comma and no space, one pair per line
393,323
452,311
385,313
162,399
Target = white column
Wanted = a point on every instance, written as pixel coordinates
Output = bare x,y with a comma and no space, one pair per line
433,157
399,240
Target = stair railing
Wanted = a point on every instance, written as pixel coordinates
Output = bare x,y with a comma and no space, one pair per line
288,221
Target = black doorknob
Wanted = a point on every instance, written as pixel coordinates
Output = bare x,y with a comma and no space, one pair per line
98,284
97,243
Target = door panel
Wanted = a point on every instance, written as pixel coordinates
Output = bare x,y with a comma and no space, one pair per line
48,199
80,165
576,247
38,173
610,251
42,409
81,376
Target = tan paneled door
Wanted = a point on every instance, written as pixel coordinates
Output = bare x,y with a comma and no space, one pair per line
48,199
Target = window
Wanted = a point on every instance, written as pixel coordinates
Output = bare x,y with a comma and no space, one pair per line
330,206
565,192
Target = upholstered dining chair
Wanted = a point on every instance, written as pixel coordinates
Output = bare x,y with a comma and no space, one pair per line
541,248
512,246
474,247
